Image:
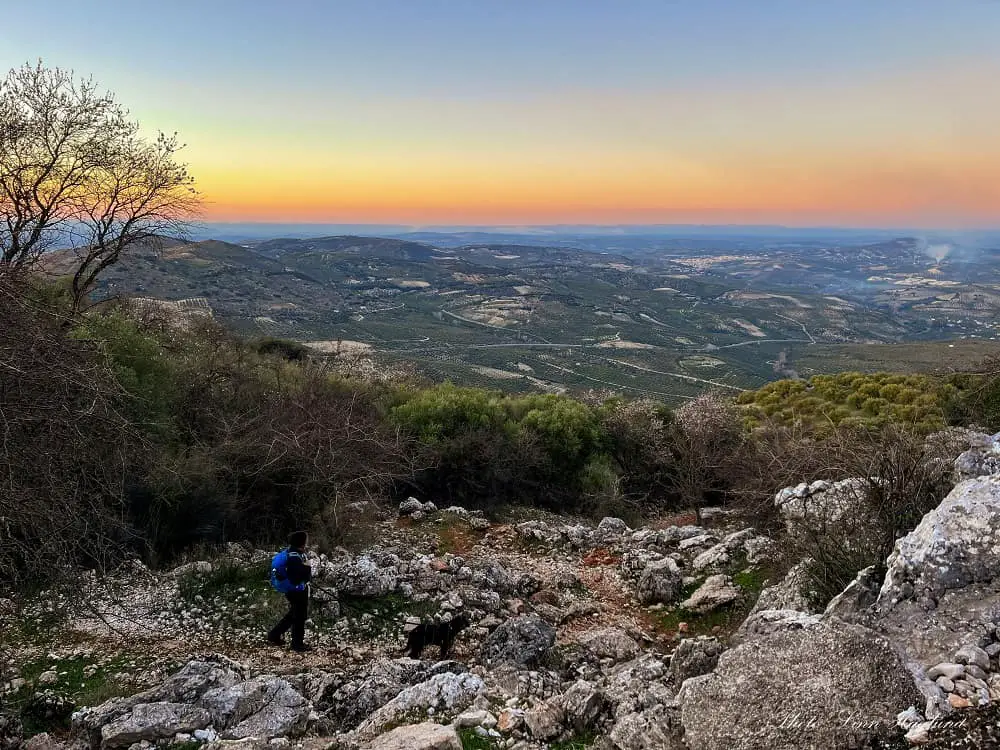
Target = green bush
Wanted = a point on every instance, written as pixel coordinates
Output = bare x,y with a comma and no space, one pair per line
924,402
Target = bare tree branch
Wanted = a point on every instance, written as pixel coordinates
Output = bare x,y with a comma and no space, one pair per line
76,174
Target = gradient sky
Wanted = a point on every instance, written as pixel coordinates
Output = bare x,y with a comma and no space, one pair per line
799,112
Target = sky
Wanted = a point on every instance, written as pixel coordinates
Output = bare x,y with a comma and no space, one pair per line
866,113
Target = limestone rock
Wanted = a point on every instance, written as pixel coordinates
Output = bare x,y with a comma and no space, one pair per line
656,728
584,705
953,546
362,576
822,675
43,741
694,657
820,503
610,643
265,706
717,591
447,692
660,582
354,700
522,641
973,655
545,721
859,595
426,736
612,527
151,722
982,458
789,593
770,621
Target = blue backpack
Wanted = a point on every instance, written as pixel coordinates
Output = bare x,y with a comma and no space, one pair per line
279,574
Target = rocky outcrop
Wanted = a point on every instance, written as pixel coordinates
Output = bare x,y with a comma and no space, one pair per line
826,686
941,593
954,546
202,695
441,694
981,459
151,722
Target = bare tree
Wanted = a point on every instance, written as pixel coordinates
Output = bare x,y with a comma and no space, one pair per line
76,173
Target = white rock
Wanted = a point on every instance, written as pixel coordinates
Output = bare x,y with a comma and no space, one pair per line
953,546
717,591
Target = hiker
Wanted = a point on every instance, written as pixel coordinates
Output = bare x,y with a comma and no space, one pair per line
290,575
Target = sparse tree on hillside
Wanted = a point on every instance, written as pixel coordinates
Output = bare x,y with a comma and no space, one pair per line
76,173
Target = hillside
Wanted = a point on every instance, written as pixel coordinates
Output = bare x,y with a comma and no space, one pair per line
658,321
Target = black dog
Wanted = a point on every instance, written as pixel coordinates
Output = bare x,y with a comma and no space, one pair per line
435,634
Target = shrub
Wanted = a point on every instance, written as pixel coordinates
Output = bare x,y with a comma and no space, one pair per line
827,401
68,446
901,479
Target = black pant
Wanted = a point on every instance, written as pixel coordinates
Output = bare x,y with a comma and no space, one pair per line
295,620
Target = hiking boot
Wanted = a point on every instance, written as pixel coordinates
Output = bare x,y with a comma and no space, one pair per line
301,648
275,641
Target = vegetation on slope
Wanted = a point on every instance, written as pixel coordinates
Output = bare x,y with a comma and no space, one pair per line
153,436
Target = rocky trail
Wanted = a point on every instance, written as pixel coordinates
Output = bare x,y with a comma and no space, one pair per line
673,635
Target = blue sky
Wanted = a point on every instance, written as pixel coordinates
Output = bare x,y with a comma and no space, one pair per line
684,110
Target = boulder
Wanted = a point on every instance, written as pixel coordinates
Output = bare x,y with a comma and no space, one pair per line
410,506
694,657
442,693
265,706
612,527
355,699
426,736
362,576
717,591
151,722
822,503
833,686
656,728
522,641
610,643
660,582
952,547
584,706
